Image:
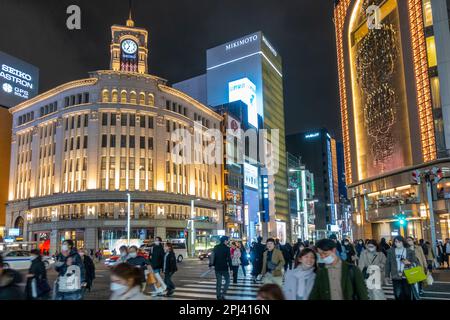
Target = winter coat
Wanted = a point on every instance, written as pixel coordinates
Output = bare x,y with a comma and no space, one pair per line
90,270
368,258
256,255
391,270
9,285
170,265
421,257
350,251
430,255
359,249
139,262
352,288
37,268
288,252
157,258
61,264
221,259
298,283
277,259
244,258
235,257
133,294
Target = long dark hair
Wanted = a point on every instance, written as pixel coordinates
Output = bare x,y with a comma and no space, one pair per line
303,253
400,238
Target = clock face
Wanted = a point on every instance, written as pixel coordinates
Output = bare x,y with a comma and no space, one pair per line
129,46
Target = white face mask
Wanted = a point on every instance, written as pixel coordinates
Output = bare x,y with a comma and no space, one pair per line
118,288
64,247
371,249
123,254
157,243
328,260
133,254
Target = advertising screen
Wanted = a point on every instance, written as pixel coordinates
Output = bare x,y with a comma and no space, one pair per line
19,80
245,90
250,176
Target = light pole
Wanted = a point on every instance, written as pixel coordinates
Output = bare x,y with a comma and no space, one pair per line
192,227
129,219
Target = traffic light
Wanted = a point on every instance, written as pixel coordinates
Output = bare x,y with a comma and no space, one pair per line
402,220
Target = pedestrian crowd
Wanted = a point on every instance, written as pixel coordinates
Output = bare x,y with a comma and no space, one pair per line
331,269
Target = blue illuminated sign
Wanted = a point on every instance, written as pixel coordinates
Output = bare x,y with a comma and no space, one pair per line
265,198
245,90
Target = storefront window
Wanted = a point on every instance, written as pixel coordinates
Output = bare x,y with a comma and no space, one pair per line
427,13
110,239
431,52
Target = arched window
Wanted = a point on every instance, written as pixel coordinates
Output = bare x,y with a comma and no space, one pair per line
142,98
151,100
18,224
105,95
115,96
133,97
123,96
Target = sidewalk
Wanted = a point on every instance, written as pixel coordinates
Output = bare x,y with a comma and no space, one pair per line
442,275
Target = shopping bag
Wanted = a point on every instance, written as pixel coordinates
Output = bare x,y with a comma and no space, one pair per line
430,279
415,275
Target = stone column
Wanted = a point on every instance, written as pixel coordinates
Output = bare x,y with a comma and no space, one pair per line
54,244
160,232
92,152
91,239
59,141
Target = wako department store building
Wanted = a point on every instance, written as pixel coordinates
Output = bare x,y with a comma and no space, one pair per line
78,149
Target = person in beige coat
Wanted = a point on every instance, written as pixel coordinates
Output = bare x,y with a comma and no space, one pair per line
273,264
420,257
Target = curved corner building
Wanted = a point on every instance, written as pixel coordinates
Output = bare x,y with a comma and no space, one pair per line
393,67
78,149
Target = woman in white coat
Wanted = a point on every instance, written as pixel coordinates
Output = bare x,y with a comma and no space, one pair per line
299,281
372,263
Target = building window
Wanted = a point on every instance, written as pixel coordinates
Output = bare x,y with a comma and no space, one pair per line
85,142
132,142
150,143
123,96
150,122
115,96
113,119
132,120
431,52
104,141
123,119
133,97
142,98
142,121
142,142
123,141
151,100
112,141
104,119
86,97
105,95
86,120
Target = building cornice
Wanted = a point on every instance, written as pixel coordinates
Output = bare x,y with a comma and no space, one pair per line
190,100
129,74
53,92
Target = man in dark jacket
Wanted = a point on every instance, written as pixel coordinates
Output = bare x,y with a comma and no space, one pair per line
256,255
337,279
69,257
37,273
169,268
89,267
157,258
221,261
9,283
288,255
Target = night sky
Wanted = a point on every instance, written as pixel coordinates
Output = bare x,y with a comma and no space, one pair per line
180,32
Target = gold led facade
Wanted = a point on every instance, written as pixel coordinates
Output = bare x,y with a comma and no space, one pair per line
424,103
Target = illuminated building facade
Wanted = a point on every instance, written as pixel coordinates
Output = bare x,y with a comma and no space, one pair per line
92,141
392,63
250,69
318,152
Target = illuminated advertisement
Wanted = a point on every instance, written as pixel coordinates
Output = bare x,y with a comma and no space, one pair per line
245,90
19,80
265,198
281,231
250,176
379,93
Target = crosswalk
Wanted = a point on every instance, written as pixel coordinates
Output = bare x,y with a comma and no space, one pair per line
245,289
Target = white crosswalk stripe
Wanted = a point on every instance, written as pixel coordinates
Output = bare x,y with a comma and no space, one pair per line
245,289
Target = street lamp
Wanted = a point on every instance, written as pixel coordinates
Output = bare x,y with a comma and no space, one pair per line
129,219
192,227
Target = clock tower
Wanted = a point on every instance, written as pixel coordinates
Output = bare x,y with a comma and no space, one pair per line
129,48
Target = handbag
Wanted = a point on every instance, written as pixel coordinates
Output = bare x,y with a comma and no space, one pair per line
415,275
430,279
151,279
364,270
71,280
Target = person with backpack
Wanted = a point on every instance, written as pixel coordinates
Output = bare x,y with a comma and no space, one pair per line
169,268
37,287
372,263
71,273
256,255
400,257
336,279
235,260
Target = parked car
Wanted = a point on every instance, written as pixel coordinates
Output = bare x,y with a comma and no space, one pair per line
205,254
21,260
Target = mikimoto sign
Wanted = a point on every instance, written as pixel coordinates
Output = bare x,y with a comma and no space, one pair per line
19,81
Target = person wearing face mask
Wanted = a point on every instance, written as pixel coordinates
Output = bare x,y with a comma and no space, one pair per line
399,257
126,282
137,261
69,260
169,268
337,279
360,247
372,258
89,267
123,255
299,281
422,261
37,287
273,264
349,250
157,262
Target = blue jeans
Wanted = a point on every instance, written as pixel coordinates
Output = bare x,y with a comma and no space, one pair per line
220,292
